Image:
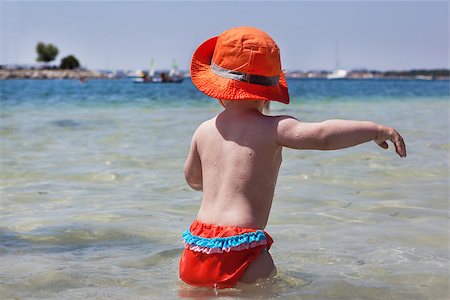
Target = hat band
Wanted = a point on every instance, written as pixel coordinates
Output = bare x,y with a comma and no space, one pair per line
244,77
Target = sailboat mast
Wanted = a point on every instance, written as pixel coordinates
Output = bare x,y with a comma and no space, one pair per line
336,55
152,68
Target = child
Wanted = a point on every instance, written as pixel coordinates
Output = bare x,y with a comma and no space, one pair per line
235,157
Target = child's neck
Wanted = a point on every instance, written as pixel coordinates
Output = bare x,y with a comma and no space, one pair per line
243,105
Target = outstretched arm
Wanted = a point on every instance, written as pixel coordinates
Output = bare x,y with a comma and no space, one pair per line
193,167
336,134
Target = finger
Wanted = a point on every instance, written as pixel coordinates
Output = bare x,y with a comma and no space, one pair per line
383,144
400,146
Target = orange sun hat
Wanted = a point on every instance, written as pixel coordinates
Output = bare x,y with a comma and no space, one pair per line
243,63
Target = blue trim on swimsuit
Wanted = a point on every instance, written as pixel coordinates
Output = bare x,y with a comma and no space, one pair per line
223,242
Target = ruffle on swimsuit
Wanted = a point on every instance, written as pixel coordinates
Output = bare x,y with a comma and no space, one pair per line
217,256
227,244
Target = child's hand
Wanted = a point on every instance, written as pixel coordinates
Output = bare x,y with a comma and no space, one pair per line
387,133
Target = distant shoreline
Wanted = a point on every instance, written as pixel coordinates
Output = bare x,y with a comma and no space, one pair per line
51,74
434,74
83,74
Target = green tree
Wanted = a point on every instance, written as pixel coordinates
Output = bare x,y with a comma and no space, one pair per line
69,62
46,53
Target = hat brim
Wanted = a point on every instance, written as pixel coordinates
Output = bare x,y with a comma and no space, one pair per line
229,89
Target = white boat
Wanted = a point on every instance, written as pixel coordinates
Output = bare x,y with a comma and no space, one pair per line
338,74
423,77
173,76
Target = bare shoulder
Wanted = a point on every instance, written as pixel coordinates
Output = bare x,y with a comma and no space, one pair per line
293,133
296,134
207,124
204,128
286,120
285,123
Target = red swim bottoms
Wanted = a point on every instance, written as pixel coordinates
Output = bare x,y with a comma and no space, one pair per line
217,256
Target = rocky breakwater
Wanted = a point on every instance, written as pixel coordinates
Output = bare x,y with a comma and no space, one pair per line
50,74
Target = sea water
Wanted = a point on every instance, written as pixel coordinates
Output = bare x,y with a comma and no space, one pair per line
93,199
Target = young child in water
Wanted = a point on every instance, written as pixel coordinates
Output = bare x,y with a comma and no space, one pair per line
235,157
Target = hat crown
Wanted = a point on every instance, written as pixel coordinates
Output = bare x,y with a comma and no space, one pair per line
248,50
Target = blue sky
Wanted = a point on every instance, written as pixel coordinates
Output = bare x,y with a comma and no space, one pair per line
381,35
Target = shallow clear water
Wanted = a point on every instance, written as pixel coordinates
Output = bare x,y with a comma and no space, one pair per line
93,199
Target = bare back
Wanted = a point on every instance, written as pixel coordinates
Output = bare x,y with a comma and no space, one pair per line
240,159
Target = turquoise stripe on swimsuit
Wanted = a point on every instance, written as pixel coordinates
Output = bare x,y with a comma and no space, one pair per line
223,242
